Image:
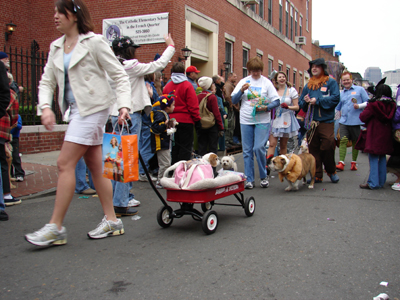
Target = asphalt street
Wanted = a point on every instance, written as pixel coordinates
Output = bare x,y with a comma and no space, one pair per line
336,241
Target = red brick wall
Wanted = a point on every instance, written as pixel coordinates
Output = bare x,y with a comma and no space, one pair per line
318,52
40,142
35,21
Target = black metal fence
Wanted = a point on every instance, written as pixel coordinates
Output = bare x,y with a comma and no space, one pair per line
27,67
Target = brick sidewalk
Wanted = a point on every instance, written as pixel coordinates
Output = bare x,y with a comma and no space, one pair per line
41,179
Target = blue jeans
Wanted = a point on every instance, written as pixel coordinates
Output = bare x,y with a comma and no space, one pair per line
80,177
145,143
254,140
377,171
121,191
2,205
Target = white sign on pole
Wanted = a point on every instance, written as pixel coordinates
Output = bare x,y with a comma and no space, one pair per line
145,29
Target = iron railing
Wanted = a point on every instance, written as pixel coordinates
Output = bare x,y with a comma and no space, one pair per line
27,67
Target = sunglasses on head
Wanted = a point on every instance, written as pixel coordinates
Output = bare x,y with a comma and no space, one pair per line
75,6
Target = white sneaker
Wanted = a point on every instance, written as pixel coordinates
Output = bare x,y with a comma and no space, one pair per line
107,228
249,185
264,182
48,235
133,203
158,185
396,186
143,177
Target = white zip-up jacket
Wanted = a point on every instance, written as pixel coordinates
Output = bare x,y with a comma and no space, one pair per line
91,59
139,95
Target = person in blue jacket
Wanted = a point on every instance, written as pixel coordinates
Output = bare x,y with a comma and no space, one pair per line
16,170
353,99
319,98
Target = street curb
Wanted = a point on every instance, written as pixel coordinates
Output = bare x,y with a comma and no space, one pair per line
49,192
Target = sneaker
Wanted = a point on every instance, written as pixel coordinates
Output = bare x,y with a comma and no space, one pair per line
20,179
89,191
340,166
334,177
264,182
48,235
12,201
107,228
133,203
3,215
365,186
158,185
124,211
249,185
143,178
396,186
353,166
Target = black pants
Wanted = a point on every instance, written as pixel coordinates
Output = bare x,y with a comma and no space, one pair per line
16,168
183,142
237,131
208,140
4,170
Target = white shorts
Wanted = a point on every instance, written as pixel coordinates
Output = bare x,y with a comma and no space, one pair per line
86,130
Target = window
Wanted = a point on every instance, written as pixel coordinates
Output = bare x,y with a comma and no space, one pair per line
270,12
307,13
245,60
287,19
295,23
259,56
287,74
294,78
270,67
261,9
301,26
301,83
252,7
291,23
228,54
280,15
280,68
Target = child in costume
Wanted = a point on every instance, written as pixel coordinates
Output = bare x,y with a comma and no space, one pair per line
161,129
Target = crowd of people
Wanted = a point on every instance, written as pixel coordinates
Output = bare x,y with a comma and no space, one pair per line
171,124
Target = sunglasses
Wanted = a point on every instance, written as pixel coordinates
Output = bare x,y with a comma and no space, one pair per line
75,6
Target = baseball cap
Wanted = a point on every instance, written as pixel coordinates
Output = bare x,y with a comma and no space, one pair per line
192,69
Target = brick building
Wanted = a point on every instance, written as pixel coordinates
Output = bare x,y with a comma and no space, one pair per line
215,31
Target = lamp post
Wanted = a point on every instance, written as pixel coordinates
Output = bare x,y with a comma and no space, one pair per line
227,66
10,28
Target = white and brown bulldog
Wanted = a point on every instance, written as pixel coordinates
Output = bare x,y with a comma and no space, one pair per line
294,167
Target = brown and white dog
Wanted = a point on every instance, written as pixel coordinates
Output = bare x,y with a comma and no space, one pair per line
294,167
8,147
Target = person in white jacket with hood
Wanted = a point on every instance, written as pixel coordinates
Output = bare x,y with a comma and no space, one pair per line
124,48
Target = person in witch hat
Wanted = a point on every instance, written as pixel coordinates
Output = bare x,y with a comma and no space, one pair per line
319,98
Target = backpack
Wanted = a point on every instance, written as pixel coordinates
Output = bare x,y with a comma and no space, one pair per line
207,117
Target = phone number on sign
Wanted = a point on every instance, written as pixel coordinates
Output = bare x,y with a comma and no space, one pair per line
142,31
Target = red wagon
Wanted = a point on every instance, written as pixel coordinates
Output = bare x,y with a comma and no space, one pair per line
207,198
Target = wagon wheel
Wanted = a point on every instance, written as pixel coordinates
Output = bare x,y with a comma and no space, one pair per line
249,206
209,222
163,216
206,206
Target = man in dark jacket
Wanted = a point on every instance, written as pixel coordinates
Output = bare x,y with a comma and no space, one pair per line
4,101
320,96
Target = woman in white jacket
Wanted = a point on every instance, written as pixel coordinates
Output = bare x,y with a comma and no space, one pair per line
77,64
125,50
